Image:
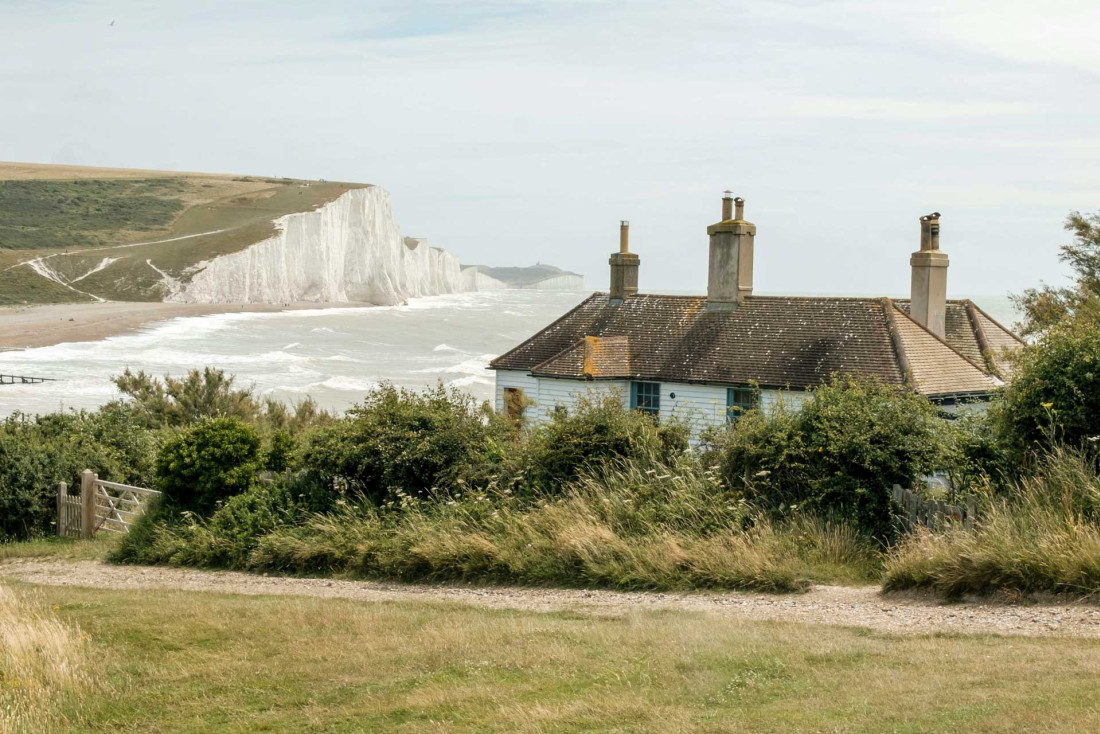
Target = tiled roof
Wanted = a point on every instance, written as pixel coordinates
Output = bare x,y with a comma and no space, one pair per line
967,326
774,341
935,369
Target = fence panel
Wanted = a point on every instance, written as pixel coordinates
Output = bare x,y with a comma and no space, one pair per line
68,512
933,514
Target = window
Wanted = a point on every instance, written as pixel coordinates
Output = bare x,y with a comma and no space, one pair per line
739,400
646,397
515,402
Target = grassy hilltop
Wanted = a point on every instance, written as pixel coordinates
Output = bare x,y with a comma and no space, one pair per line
106,232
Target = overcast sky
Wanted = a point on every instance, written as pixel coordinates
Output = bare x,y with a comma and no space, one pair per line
511,132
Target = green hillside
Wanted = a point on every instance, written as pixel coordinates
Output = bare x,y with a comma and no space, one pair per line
521,277
76,234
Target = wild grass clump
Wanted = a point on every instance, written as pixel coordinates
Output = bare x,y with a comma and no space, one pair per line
1044,536
44,667
631,525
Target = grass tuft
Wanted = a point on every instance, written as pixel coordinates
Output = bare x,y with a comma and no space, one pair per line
44,666
1044,536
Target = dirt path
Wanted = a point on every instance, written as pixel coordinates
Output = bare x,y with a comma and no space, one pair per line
839,605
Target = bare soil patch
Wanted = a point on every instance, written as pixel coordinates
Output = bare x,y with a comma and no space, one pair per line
863,606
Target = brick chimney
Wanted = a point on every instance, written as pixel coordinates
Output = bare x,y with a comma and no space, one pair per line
928,294
729,278
624,268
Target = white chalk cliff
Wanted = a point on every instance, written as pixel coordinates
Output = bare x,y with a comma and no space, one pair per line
349,250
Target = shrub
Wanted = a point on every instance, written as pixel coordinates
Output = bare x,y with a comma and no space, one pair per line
225,540
763,454
176,402
279,453
35,455
1044,536
415,442
978,458
839,455
207,463
596,431
1055,390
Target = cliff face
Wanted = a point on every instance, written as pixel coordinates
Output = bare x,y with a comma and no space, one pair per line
475,280
349,250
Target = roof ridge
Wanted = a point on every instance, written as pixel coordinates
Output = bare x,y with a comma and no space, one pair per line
759,296
996,323
979,334
943,342
896,341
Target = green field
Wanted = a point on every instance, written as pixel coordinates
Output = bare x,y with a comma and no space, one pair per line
88,226
188,661
195,662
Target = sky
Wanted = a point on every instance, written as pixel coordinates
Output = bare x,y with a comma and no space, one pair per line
516,132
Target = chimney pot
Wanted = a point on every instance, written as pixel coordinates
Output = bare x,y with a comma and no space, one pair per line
624,268
729,277
928,295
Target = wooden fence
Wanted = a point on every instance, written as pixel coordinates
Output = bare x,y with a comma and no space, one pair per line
101,506
933,514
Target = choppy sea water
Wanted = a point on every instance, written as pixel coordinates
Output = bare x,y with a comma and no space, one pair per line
333,355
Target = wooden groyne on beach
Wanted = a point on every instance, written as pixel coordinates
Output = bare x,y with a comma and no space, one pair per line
23,380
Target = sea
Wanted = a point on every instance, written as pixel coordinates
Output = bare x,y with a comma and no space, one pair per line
333,355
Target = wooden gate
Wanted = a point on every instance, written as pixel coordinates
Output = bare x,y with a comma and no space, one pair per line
100,506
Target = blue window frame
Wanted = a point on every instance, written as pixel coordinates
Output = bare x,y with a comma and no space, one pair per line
739,400
646,397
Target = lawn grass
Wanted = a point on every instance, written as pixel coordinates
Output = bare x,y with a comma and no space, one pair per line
62,548
195,662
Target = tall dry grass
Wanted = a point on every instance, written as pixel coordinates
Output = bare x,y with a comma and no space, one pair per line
44,667
1045,536
634,525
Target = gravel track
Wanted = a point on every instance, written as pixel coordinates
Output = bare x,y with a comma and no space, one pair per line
863,606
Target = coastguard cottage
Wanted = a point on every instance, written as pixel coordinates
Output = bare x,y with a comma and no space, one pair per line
706,359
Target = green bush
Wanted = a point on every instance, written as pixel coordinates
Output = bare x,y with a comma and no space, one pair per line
177,402
225,540
209,462
978,456
398,439
36,454
1055,390
594,432
279,452
839,455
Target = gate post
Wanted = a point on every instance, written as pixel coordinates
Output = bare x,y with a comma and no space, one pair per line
87,504
62,492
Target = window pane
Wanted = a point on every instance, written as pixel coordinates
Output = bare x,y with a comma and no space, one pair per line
646,396
739,400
